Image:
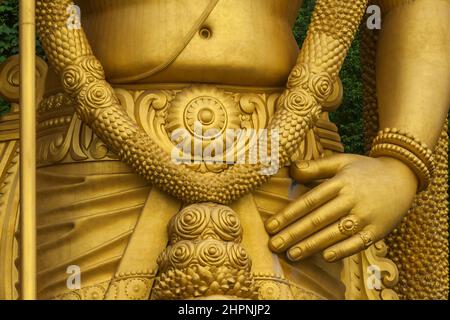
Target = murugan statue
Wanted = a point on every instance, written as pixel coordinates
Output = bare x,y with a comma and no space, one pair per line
136,79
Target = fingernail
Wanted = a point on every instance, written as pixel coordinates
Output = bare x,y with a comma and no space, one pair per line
330,256
273,225
277,243
295,254
302,164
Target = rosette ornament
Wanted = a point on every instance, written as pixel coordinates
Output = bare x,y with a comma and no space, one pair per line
204,257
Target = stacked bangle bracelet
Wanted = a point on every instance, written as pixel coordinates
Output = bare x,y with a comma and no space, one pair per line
408,149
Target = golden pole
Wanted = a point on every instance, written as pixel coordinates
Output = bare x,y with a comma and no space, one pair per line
28,148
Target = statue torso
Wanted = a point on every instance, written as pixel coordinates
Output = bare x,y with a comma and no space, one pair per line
242,42
245,59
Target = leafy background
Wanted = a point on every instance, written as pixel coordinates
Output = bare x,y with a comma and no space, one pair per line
349,116
9,38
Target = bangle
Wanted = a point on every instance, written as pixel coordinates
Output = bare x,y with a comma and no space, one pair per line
408,149
408,142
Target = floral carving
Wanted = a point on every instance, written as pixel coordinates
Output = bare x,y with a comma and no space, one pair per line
321,85
299,102
208,261
73,78
206,221
93,66
298,77
190,223
237,255
211,253
181,254
98,95
226,224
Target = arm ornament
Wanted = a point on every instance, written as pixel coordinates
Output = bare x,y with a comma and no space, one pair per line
408,149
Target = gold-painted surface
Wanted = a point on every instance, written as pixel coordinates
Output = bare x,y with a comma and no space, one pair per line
222,57
88,201
96,213
86,216
27,102
9,218
360,286
388,5
310,84
419,245
147,230
10,173
204,256
408,149
9,181
89,189
64,138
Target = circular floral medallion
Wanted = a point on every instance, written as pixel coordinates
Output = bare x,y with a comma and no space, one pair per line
136,289
206,114
94,293
269,290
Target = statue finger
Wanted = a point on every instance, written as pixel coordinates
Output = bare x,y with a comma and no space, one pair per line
318,219
315,244
304,205
326,168
359,242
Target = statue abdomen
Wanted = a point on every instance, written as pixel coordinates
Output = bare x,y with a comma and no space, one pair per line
240,43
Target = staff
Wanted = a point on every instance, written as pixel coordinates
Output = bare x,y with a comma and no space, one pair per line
28,149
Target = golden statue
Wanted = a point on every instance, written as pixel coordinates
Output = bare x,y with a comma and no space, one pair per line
184,151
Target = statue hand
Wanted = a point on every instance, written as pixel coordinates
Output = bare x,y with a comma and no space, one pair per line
360,203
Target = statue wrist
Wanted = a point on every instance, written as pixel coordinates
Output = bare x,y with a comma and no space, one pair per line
406,148
408,175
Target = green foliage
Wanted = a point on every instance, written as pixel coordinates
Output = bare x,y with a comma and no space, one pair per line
4,107
349,116
9,29
9,35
